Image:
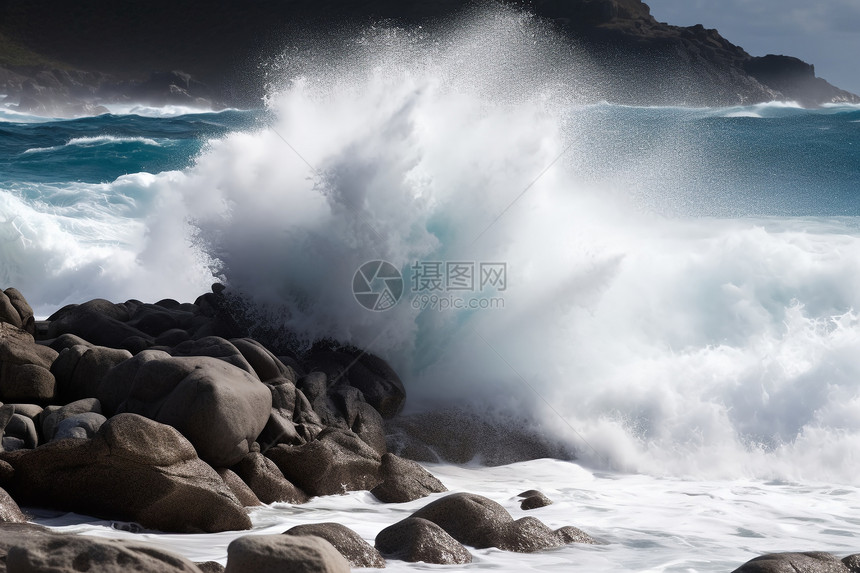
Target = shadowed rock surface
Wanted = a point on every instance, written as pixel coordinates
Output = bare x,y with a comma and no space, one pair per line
261,553
533,499
481,522
811,562
356,550
70,554
335,462
134,469
414,539
404,480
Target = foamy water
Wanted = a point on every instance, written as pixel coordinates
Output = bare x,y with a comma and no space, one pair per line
646,524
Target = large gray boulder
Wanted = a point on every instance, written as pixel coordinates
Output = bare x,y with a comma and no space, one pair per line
24,367
404,480
134,469
481,522
72,554
80,368
809,562
15,310
377,381
267,481
414,539
276,553
335,462
219,407
356,550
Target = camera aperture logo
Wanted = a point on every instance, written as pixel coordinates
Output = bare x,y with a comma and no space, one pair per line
436,285
377,285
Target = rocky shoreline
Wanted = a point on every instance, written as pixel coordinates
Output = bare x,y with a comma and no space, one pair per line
158,416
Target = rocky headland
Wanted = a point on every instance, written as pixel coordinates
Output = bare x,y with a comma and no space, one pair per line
160,417
59,58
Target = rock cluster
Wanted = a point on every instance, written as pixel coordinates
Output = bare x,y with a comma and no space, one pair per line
163,415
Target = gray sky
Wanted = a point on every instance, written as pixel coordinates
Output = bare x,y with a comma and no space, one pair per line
825,33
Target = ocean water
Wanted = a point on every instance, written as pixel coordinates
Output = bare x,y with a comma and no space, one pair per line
681,302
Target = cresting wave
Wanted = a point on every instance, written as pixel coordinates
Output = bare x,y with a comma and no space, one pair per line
654,342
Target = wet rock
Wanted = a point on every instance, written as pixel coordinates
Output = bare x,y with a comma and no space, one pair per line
99,322
79,369
80,426
811,562
219,407
265,364
335,462
9,510
414,539
404,480
24,367
52,417
266,481
23,428
15,310
134,469
71,553
292,420
214,347
261,553
240,489
481,522
533,499
376,380
356,550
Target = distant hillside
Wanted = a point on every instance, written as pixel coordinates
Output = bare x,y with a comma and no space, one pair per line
117,44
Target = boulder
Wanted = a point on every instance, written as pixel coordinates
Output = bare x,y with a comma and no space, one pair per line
214,347
219,407
335,462
533,499
240,489
9,510
292,420
23,428
153,320
29,410
265,364
80,426
52,417
273,553
100,322
71,553
404,480
15,310
356,550
852,562
481,522
811,562
24,367
79,369
266,480
376,380
134,469
210,567
414,539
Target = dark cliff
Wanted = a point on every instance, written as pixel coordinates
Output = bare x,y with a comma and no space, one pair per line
94,50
